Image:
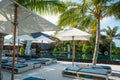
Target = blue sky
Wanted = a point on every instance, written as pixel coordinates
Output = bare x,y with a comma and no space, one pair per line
112,22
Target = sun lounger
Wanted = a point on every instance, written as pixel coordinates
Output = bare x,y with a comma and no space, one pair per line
71,72
18,68
32,61
6,59
33,78
21,60
44,61
107,68
54,60
89,73
36,64
85,73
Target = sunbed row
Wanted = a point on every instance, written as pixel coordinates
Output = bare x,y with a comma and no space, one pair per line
18,68
85,73
22,64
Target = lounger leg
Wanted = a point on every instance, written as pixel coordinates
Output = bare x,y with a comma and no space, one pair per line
107,78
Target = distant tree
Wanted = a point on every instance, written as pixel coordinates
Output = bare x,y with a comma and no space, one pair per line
111,33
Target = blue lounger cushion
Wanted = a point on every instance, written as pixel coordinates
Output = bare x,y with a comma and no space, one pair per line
93,71
20,65
96,66
107,67
6,65
21,60
4,60
72,68
41,60
44,60
33,78
34,61
15,65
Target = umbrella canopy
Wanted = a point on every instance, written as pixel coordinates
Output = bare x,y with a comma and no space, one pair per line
42,39
27,22
16,19
73,34
76,33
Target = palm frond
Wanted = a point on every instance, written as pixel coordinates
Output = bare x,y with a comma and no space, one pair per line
43,6
115,9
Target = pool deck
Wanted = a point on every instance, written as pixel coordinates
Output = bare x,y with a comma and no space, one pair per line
53,72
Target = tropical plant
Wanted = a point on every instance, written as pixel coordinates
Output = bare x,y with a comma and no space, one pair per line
104,44
22,51
111,33
86,14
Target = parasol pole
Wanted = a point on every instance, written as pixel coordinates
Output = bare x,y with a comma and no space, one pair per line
14,41
73,51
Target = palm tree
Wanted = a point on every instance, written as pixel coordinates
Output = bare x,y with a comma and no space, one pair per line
39,6
111,33
87,14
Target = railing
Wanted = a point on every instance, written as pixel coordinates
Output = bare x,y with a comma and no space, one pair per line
90,61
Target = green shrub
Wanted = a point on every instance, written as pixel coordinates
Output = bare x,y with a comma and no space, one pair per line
87,56
55,52
22,51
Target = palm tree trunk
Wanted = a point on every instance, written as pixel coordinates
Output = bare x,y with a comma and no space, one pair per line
95,55
111,50
1,48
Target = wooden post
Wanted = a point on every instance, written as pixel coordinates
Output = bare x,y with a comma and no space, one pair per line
1,49
14,35
73,51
